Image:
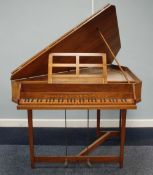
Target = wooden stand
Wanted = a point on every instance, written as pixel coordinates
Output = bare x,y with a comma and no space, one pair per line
83,155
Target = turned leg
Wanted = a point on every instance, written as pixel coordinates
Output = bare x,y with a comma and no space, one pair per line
98,123
30,130
122,135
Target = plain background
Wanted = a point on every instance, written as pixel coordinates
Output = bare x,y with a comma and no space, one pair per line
27,27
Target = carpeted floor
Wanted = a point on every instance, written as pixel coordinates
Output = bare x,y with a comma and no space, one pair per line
14,160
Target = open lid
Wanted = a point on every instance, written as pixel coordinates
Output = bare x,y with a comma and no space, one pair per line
84,38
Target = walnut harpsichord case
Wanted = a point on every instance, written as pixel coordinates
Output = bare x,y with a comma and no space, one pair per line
84,38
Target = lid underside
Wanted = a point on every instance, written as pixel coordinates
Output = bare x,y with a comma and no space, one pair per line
84,39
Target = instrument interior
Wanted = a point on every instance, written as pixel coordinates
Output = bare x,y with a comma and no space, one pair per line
114,74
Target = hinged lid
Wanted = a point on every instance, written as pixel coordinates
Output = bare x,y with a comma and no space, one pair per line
84,38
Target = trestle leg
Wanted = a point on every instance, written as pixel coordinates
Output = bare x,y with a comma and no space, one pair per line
88,161
98,123
66,144
120,118
122,135
30,130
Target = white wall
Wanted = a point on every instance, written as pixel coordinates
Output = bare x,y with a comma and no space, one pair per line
28,26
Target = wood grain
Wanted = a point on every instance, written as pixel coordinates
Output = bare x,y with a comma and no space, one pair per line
82,39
